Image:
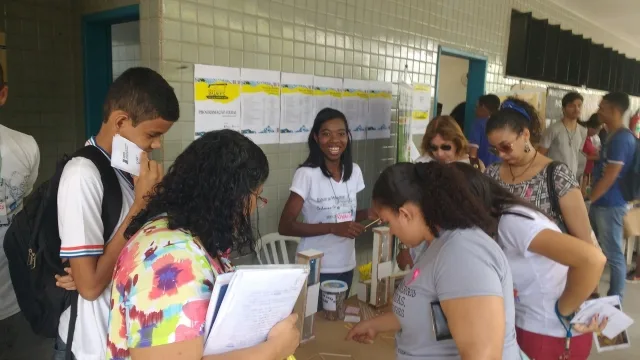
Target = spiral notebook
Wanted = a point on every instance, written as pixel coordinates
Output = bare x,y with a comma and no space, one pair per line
247,303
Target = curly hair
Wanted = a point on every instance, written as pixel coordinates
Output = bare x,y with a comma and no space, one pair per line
449,130
439,190
510,117
496,199
208,189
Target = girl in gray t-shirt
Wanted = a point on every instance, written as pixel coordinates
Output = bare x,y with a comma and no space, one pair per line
463,273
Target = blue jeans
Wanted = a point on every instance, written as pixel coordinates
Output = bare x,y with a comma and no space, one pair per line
607,224
345,276
60,350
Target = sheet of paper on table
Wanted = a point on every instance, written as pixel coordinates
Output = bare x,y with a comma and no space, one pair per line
256,298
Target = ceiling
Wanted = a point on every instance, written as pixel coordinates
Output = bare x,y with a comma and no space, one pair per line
619,17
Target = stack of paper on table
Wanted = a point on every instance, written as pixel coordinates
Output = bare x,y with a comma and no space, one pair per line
247,303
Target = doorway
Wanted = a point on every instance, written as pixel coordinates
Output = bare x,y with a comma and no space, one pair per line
456,86
110,45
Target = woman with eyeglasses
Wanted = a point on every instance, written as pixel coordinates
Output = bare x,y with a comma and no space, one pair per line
513,133
553,273
457,301
177,247
324,190
444,142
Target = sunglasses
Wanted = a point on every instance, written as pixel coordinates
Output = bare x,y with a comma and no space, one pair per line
443,147
505,148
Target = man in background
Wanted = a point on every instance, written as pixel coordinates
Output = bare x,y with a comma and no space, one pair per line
478,142
563,140
608,207
19,162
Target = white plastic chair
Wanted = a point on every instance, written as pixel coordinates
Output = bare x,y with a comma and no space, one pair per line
268,245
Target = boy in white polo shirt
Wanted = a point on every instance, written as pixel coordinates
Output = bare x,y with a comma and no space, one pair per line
140,106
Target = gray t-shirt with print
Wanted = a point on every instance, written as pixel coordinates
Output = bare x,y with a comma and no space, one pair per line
458,264
566,146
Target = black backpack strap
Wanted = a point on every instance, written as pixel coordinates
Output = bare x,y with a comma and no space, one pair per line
551,187
68,354
111,204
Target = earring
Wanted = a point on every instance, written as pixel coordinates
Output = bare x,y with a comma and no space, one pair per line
527,148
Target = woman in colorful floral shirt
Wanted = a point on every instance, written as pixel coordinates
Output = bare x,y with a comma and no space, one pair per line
179,244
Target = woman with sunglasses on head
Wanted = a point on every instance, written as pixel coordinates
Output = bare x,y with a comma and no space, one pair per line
513,133
463,274
324,190
444,141
177,247
553,273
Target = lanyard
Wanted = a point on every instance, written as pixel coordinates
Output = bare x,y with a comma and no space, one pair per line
334,191
566,324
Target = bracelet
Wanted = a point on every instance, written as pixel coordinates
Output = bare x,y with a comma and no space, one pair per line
402,246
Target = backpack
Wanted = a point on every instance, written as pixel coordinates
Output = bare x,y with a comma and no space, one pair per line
32,247
630,181
554,199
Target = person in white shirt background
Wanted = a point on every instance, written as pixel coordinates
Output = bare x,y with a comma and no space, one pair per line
564,139
140,106
324,190
19,162
553,273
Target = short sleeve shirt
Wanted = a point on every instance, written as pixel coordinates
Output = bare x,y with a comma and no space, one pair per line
538,281
536,190
620,148
457,264
328,201
478,139
161,290
564,145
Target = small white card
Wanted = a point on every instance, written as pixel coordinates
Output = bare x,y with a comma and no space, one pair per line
352,319
125,155
313,292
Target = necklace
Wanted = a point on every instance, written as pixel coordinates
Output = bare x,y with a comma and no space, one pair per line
569,134
513,177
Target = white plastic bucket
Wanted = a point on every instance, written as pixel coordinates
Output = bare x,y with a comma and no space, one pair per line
334,295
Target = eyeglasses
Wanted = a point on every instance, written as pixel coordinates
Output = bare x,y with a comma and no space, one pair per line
443,147
262,201
505,148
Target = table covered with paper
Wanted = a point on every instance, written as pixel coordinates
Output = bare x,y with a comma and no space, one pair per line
330,344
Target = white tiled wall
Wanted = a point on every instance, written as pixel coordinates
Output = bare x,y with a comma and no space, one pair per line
42,68
359,39
125,47
45,68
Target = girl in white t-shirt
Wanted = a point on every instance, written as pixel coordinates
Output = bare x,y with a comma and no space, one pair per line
324,190
553,273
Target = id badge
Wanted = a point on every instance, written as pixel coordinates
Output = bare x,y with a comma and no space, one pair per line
344,217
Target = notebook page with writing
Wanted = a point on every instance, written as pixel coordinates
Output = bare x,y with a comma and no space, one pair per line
256,299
